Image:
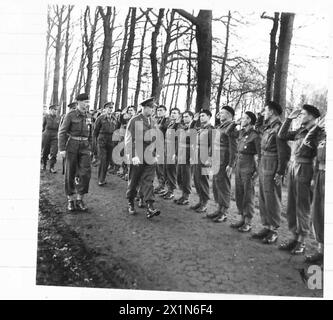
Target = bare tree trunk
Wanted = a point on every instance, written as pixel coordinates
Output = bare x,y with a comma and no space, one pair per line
272,55
98,84
153,57
282,61
50,24
127,61
75,87
168,84
108,27
224,61
203,23
165,54
58,47
176,79
64,76
89,42
121,61
189,78
138,81
177,94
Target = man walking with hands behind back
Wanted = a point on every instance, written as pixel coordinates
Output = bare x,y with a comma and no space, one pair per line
75,148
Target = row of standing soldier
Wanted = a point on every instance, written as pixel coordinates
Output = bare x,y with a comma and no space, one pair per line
259,148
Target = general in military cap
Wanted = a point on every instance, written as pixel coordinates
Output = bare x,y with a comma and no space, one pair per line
82,97
312,110
252,116
230,110
206,111
275,106
148,103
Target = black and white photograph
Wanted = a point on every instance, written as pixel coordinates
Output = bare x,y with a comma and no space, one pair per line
182,149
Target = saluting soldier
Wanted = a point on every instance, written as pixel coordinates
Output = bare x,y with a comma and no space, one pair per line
318,203
184,177
246,171
50,138
75,148
274,159
204,152
170,151
141,169
227,146
300,176
162,122
104,128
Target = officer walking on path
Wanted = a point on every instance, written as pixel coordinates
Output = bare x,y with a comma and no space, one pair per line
104,128
141,169
274,159
246,171
74,147
300,176
226,145
50,138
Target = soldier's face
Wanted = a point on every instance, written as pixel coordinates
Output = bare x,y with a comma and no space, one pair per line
109,110
204,118
174,114
131,112
306,117
53,111
246,120
160,112
224,115
267,113
148,111
83,106
187,118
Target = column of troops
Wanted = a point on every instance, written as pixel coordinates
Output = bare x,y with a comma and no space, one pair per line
256,146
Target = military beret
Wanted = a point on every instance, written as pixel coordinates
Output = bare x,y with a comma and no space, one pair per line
230,110
148,103
107,104
118,110
252,116
206,111
312,110
82,97
53,106
133,107
275,106
161,106
72,105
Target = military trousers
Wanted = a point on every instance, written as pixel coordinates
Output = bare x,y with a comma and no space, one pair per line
201,182
299,197
318,206
105,148
184,178
244,185
221,182
141,177
161,174
269,192
49,147
171,176
77,164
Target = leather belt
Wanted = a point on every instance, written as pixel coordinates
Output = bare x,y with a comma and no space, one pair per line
79,138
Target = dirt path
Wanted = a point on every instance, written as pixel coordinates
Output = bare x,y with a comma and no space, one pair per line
179,250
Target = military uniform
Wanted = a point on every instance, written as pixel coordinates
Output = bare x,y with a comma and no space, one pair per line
144,172
73,138
224,143
204,148
170,150
50,139
184,176
300,175
248,147
162,125
274,159
103,130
